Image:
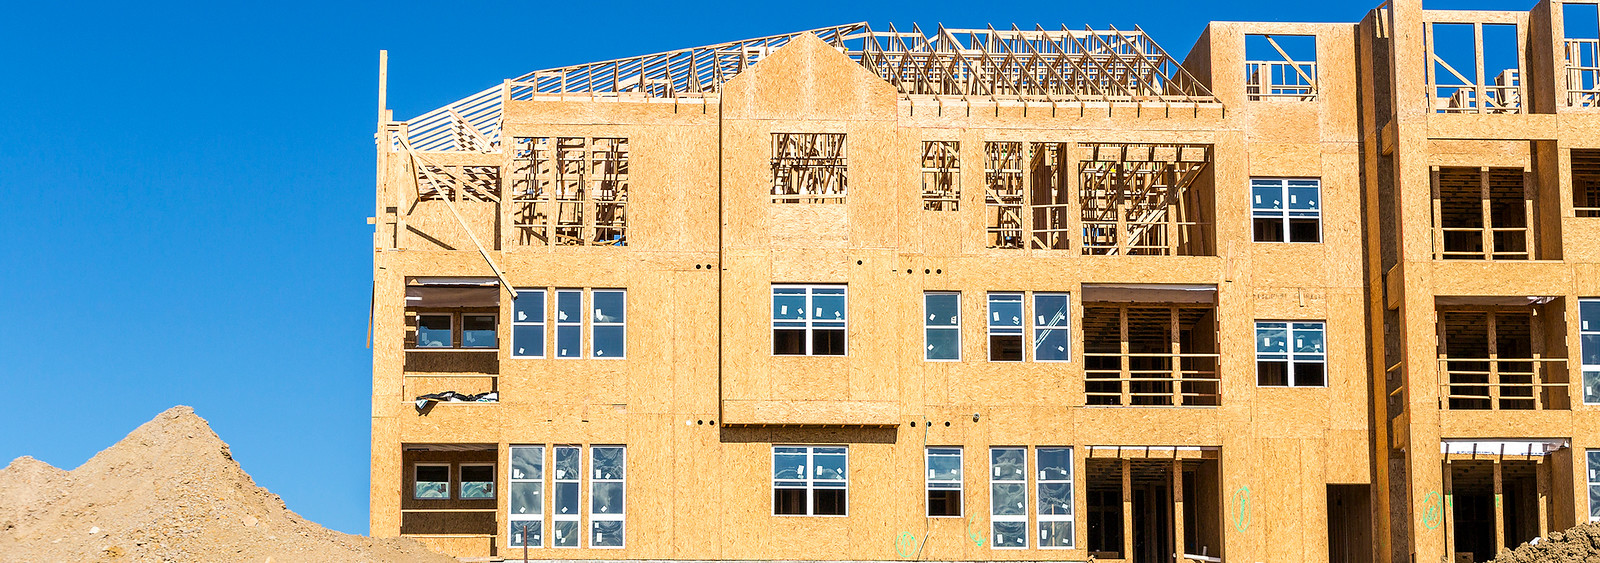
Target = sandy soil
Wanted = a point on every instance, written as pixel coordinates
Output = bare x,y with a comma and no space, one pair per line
169,491
1574,545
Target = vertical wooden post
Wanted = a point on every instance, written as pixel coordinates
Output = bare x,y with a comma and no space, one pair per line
1177,509
1122,227
1482,104
1438,209
1542,492
1529,228
1536,330
1494,363
1433,80
1025,209
1499,513
1125,362
1486,208
1127,509
1176,359
1070,178
1449,516
587,189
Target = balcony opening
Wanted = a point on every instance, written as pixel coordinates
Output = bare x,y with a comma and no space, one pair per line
1483,214
1498,355
448,494
1474,67
1581,48
1150,345
1280,67
1498,494
1586,182
451,340
570,191
1140,508
1026,196
1141,199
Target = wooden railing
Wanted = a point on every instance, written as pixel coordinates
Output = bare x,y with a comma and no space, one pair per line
1500,384
1583,72
1268,80
1186,380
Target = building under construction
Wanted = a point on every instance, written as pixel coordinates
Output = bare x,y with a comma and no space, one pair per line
1314,292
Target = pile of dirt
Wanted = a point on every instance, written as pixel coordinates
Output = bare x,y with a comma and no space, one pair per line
1580,544
170,491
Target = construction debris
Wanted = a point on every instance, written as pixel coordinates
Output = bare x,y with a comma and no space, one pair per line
1580,544
169,491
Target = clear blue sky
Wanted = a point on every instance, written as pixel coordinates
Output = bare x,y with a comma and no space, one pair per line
185,188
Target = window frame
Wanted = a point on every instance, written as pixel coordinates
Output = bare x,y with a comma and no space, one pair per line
1592,467
593,324
577,515
559,324
461,480
539,483
959,482
991,329
461,330
1285,214
448,345
1291,357
541,323
1585,369
1034,329
810,323
927,328
996,519
595,481
1071,516
810,479
449,479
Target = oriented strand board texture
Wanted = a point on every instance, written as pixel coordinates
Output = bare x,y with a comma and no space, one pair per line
705,245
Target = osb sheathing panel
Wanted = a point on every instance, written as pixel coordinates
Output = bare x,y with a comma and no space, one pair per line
699,490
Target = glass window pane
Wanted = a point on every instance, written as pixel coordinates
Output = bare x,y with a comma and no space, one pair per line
788,307
527,498
827,342
1272,338
828,502
1591,387
566,532
566,499
606,498
1305,230
942,309
1309,374
827,307
1589,315
568,460
1272,373
610,342
1055,464
1008,464
944,344
1268,229
1051,309
607,533
1011,534
569,306
830,467
1055,499
787,464
1050,345
1266,194
530,529
433,331
527,463
527,340
788,342
1591,349
1304,195
1005,309
1055,534
608,462
477,481
529,307
1009,499
432,482
609,306
477,331
1308,338
789,502
944,464
1005,347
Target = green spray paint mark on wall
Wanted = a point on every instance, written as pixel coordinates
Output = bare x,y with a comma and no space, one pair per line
977,538
905,545
1241,518
1432,512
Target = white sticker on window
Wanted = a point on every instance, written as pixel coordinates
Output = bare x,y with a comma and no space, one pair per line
562,315
783,309
1044,533
522,316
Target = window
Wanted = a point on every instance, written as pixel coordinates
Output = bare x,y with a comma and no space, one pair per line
432,481
941,325
944,482
477,331
941,175
1594,485
434,331
809,480
608,336
1280,67
569,191
1008,497
1278,363
808,168
565,510
1050,311
477,481
1286,209
569,323
1586,170
527,326
808,320
527,496
1589,347
1055,497
606,495
1005,327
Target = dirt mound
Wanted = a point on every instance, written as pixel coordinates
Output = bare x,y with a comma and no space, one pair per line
169,491
1580,544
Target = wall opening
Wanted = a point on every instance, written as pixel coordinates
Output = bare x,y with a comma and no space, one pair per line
1140,199
1474,67
1150,354
1495,503
1483,214
1586,182
1280,67
1502,357
1143,509
1350,523
1580,24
